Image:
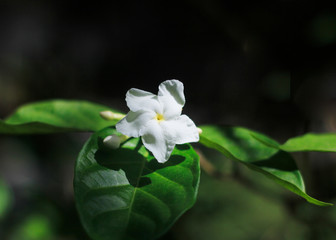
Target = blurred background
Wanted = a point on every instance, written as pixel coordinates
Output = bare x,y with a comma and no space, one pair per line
268,67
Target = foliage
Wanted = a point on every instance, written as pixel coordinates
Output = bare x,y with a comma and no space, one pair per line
259,153
125,194
55,116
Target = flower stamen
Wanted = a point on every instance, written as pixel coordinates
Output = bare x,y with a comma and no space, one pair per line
159,117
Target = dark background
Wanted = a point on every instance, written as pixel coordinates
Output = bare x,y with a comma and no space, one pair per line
269,67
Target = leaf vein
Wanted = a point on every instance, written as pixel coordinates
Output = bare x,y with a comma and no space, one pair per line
168,179
154,197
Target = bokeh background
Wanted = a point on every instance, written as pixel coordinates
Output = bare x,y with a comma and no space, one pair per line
269,67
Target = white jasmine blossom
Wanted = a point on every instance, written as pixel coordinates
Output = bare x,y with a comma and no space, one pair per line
158,120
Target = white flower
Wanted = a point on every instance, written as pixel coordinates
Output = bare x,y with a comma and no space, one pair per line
158,120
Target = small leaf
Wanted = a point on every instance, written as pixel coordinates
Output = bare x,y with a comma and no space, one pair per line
311,142
259,153
55,116
126,194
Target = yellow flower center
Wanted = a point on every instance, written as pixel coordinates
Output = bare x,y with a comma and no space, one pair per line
159,117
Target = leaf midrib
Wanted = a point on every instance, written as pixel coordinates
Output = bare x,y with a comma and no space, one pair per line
135,189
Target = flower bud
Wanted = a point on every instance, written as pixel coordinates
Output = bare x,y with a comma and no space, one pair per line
108,115
112,141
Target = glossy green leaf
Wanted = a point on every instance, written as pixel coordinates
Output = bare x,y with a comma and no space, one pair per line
126,194
55,116
311,142
259,153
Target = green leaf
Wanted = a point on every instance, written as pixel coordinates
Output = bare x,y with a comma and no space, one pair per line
126,194
56,116
311,142
259,153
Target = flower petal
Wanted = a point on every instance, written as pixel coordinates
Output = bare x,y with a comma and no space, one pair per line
181,130
154,139
137,99
134,122
172,98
